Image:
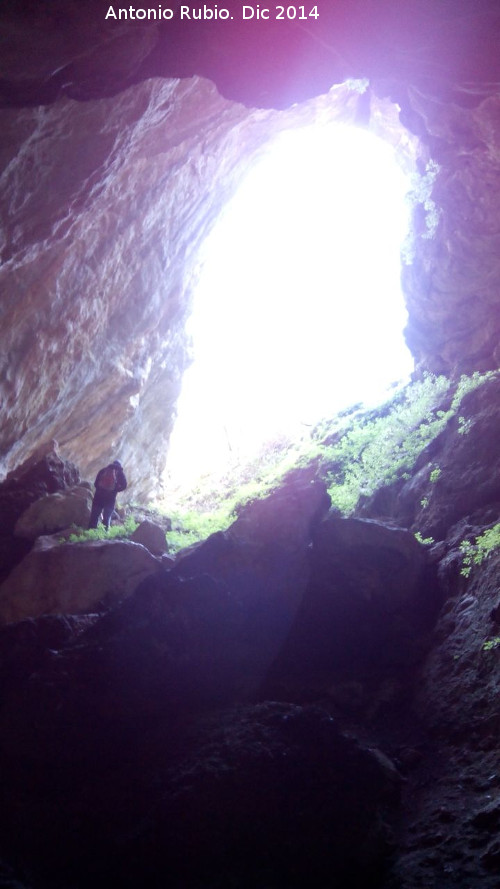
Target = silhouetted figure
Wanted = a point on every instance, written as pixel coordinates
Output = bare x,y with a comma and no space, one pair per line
109,481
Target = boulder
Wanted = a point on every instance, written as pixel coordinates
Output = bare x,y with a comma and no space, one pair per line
263,562
73,578
201,634
287,517
268,795
26,646
371,598
45,472
279,792
54,512
152,536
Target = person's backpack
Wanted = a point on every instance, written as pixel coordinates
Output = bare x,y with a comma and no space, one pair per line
108,478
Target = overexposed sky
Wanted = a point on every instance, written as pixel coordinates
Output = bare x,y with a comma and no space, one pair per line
299,311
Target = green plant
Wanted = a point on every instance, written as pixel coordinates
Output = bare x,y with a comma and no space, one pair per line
435,475
491,644
378,450
425,541
191,527
475,553
467,384
355,453
100,533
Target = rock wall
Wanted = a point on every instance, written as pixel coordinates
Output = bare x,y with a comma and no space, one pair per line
452,284
98,232
111,180
105,207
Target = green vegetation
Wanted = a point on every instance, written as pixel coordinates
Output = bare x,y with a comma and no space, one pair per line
491,644
191,527
216,501
425,541
355,453
378,450
475,553
100,533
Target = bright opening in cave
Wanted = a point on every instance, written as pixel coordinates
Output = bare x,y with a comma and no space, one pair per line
298,311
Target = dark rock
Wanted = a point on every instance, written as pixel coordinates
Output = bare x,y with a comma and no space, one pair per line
279,790
369,603
152,536
491,858
30,481
487,819
9,879
288,516
89,55
263,561
469,466
383,504
12,551
40,475
174,647
24,646
271,795
495,614
181,643
458,686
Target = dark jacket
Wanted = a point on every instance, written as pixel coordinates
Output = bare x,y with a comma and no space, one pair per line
121,483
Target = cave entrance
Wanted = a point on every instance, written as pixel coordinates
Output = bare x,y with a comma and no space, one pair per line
298,312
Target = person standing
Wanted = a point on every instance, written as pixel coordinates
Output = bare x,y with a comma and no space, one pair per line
109,481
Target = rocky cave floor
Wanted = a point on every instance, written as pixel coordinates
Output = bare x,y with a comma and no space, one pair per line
446,833
302,700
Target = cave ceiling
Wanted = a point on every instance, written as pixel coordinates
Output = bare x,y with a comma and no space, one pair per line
121,141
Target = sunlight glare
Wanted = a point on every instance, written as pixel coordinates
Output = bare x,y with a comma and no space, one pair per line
298,312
